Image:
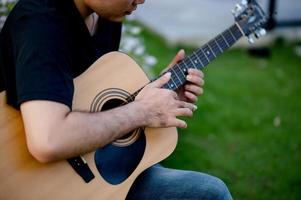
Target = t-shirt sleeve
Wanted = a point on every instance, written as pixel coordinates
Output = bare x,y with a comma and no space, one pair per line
42,59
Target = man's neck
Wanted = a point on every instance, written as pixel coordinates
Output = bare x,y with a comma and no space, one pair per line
84,10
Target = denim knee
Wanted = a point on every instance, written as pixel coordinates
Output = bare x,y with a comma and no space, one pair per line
217,189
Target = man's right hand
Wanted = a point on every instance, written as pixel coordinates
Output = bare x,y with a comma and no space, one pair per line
161,107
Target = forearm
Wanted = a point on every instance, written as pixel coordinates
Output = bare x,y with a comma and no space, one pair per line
81,132
84,132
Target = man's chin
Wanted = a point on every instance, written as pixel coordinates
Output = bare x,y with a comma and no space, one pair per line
117,19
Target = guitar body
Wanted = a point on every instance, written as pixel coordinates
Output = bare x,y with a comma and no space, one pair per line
106,84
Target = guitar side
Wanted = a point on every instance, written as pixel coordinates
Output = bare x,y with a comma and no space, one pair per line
22,177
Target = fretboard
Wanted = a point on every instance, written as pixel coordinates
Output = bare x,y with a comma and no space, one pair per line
199,58
203,56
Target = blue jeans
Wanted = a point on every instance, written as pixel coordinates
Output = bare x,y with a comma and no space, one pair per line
158,183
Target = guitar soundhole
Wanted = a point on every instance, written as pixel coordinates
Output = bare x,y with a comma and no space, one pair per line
117,161
113,103
112,98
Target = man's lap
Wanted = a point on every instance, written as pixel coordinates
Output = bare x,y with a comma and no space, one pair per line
158,182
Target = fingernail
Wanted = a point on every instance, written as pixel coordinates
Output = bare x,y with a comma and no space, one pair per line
190,70
167,74
195,107
189,77
181,53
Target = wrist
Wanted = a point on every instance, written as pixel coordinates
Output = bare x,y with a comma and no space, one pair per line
140,113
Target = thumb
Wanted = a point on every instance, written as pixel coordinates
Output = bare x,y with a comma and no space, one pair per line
180,56
161,81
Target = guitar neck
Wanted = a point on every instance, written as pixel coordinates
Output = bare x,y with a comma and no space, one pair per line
200,58
203,56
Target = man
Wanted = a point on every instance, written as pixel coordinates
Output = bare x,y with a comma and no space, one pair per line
44,45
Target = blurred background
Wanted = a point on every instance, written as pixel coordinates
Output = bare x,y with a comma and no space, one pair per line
247,129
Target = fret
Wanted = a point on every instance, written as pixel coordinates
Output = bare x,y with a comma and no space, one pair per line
186,65
208,52
221,42
179,74
211,50
189,63
211,46
192,62
198,58
229,34
205,55
202,57
179,69
178,78
174,77
229,37
172,80
218,46
237,32
184,68
225,41
239,29
232,34
216,50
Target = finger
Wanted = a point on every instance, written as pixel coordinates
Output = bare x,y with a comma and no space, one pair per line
191,106
191,97
174,94
180,56
196,72
178,123
183,112
196,80
194,89
161,81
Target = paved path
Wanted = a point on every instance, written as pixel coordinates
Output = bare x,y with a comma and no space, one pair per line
196,21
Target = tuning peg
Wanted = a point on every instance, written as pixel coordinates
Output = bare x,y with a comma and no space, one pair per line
251,39
259,33
262,32
237,10
244,2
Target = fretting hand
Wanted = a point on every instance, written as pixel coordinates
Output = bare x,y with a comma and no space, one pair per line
161,107
195,81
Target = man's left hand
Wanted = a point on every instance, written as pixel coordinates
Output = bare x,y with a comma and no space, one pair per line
193,88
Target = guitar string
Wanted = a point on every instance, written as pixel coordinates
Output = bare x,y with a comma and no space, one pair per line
229,35
224,41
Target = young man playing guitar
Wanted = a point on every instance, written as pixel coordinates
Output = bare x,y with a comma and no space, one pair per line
44,45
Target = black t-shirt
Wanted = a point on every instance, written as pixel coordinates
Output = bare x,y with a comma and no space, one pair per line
44,45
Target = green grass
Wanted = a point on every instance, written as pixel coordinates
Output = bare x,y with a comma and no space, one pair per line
232,135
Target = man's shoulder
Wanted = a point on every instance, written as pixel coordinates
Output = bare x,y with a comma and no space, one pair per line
27,8
33,17
33,10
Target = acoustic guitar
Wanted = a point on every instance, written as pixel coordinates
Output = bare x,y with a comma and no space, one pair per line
108,172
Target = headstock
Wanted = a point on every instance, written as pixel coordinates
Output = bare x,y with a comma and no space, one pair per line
251,19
